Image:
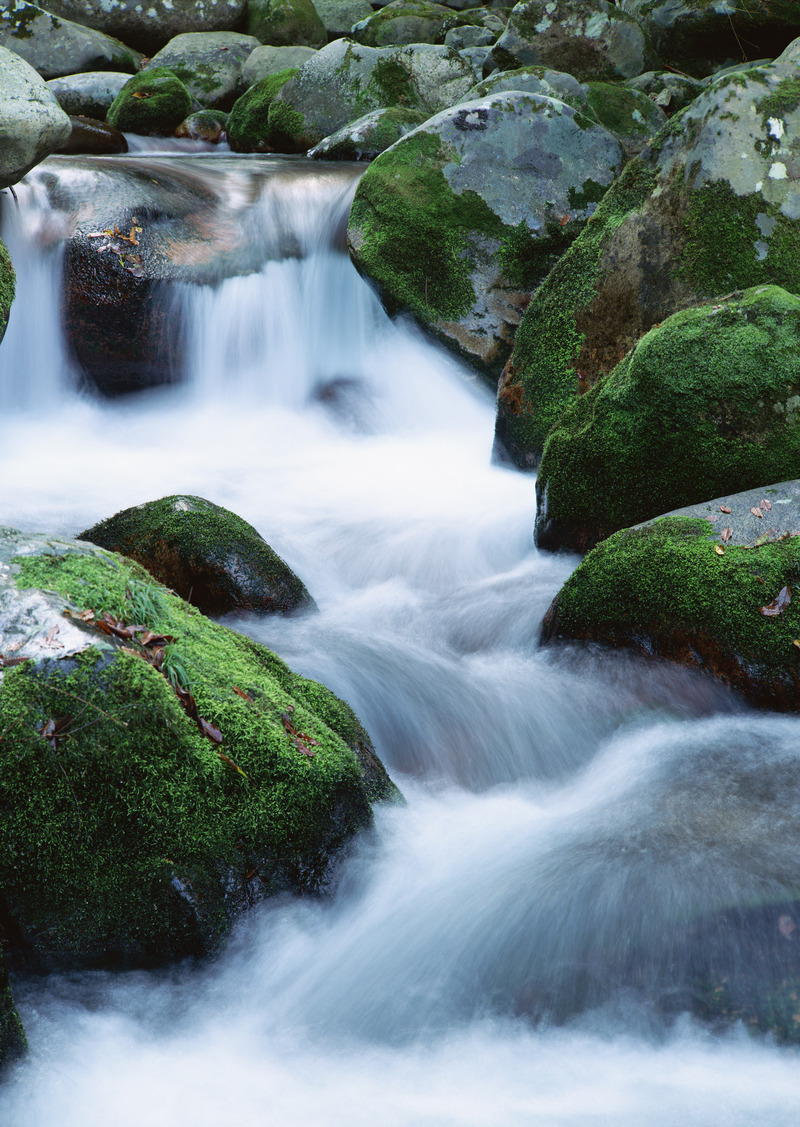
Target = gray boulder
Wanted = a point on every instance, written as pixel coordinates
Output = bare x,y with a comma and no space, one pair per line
403,21
153,24
286,23
265,60
32,124
210,64
585,38
461,219
90,93
55,46
345,80
338,16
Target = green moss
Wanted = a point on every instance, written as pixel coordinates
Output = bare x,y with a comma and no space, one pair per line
665,589
248,124
394,82
286,126
153,102
615,108
784,100
703,406
548,340
286,23
721,232
7,286
130,837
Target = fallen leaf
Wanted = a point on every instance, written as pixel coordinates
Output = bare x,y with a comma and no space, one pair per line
766,505
236,767
779,605
148,638
757,513
719,549
726,534
6,662
209,729
796,642
724,508
142,94
243,695
564,220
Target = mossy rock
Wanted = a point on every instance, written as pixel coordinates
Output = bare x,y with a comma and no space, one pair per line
55,46
673,589
628,114
153,789
707,403
206,554
205,125
369,136
7,287
209,64
590,39
286,23
248,125
402,22
461,219
153,103
709,207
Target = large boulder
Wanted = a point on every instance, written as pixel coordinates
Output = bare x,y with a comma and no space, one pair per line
344,81
55,46
206,554
403,21
7,287
462,218
249,130
590,39
151,25
711,206
154,103
32,124
286,23
699,38
338,16
197,772
711,587
90,94
708,402
209,64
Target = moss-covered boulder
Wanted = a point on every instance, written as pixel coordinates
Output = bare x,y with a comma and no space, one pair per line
205,125
461,219
684,588
209,64
7,287
344,81
90,94
338,16
56,46
670,91
370,135
286,23
32,124
475,27
702,37
403,21
248,125
711,206
154,102
590,39
708,402
160,772
266,60
206,554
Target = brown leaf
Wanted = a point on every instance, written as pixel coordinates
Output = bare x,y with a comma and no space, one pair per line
209,729
6,662
236,767
50,640
726,534
54,730
724,508
796,642
148,638
757,513
779,605
298,743
766,505
719,549
142,94
243,695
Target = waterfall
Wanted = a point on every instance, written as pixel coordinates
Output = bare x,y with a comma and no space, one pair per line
502,949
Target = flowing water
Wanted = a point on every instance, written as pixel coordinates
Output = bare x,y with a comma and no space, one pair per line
492,953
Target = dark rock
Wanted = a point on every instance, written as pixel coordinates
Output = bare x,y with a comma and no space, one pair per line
94,137
708,402
208,555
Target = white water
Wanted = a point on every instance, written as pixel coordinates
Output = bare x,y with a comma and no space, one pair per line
562,807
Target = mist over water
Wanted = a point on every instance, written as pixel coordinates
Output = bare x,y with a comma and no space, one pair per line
492,951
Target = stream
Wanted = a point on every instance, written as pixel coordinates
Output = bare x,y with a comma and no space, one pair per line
493,953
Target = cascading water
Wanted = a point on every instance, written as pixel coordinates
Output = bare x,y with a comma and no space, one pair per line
498,951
